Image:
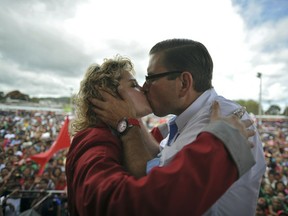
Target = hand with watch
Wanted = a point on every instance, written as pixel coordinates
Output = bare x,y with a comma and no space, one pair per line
125,124
113,116
138,145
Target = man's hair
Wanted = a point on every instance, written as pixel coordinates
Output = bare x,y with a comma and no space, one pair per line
187,55
97,77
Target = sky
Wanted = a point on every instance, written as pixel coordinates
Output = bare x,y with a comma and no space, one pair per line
46,46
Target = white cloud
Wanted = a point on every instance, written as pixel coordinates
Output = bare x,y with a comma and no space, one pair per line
55,38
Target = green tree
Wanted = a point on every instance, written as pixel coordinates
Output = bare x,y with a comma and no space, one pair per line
273,110
34,100
251,105
285,112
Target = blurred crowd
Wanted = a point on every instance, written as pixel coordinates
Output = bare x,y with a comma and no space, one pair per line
26,133
22,134
273,196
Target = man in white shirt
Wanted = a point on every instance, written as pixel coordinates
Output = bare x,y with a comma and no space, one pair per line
242,193
187,92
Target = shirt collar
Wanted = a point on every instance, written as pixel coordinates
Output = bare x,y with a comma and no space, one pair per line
207,97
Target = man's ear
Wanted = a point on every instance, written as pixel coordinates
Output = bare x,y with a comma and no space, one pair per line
186,80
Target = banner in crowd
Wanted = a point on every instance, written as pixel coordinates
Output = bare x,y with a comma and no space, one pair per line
62,141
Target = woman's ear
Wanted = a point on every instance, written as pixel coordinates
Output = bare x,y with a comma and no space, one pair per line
186,80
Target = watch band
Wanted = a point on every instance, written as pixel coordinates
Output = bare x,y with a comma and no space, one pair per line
133,122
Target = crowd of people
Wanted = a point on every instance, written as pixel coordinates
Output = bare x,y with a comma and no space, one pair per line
273,196
22,187
25,133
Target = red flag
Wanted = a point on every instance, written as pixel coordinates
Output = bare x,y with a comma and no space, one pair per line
62,141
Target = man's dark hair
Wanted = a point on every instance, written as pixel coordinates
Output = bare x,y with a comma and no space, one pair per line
188,55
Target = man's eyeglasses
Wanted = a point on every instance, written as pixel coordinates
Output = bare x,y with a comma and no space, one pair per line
151,78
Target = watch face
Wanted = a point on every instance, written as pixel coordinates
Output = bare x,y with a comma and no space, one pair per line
122,125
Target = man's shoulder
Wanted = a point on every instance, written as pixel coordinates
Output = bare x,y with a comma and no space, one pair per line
228,102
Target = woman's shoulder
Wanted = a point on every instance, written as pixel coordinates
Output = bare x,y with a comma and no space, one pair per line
97,138
94,134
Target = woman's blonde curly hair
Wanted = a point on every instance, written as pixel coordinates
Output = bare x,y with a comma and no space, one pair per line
97,77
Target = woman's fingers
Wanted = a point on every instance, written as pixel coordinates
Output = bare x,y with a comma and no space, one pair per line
239,112
234,120
247,122
215,111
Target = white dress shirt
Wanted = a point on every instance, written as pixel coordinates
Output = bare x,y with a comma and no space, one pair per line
241,198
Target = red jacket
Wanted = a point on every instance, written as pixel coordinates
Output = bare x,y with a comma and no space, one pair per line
98,184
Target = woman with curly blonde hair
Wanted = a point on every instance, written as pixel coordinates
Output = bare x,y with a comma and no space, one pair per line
113,73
